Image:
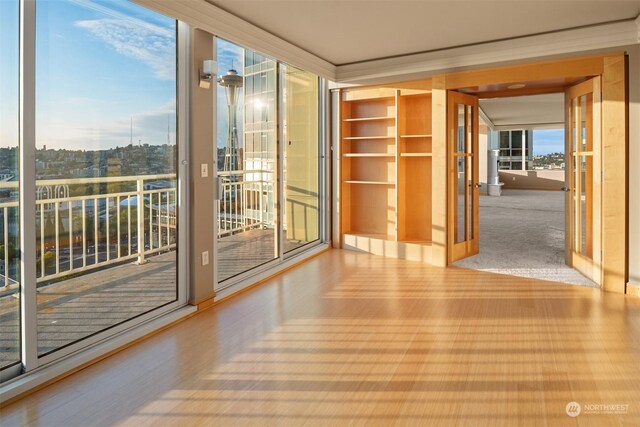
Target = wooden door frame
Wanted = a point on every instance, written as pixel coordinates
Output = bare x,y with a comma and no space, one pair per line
612,68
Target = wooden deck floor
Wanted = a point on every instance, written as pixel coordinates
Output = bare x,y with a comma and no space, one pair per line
79,307
243,251
351,338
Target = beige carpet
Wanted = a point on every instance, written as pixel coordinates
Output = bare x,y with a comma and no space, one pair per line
522,234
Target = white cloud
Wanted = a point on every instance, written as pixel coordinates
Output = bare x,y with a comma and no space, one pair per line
150,44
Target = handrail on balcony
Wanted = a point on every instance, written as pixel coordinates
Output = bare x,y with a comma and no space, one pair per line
133,219
97,222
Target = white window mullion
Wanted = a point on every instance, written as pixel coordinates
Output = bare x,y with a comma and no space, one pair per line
28,303
182,168
324,130
280,147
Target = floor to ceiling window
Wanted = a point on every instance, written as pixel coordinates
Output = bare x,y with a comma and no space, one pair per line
301,157
267,159
102,104
105,166
9,187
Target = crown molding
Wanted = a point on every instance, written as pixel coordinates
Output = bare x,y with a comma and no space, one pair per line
207,17
540,46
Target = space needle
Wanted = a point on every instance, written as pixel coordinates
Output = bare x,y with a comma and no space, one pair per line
231,82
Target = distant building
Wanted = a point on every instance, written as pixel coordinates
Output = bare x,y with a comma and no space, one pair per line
516,150
259,148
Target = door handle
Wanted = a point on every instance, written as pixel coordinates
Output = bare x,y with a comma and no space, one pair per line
565,189
478,185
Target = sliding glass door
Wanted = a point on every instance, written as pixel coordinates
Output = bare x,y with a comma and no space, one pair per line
267,160
247,160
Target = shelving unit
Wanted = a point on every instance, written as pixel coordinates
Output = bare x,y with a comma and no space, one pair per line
369,163
414,170
385,155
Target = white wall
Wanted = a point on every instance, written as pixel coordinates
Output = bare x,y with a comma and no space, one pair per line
532,179
483,146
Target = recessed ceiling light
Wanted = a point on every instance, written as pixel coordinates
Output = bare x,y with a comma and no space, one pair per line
516,86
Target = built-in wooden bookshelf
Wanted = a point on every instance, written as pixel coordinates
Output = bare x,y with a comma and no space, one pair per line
385,157
369,163
414,167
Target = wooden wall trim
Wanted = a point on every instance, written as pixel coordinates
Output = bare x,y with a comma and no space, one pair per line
614,167
439,171
543,70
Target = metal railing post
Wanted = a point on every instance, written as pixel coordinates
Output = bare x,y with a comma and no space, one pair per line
140,213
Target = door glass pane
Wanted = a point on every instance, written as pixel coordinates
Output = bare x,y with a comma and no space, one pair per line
301,157
461,199
577,208
105,166
460,146
470,171
9,189
586,205
574,125
583,123
247,160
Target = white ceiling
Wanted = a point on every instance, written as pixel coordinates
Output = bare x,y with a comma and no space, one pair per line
347,31
525,112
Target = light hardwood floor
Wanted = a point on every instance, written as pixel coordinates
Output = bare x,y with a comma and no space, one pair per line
352,338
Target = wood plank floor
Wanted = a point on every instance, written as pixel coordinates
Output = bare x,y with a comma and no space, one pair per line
351,338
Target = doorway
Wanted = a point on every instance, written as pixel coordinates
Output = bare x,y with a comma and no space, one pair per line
584,185
522,214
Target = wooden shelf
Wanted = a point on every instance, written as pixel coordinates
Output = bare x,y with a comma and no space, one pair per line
356,138
379,236
415,154
415,136
416,240
369,119
370,182
368,155
372,96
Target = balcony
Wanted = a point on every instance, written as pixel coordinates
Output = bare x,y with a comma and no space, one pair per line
91,226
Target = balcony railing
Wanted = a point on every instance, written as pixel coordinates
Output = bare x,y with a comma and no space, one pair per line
244,201
88,223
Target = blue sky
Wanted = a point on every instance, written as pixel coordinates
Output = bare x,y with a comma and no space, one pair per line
99,64
9,73
548,141
229,56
